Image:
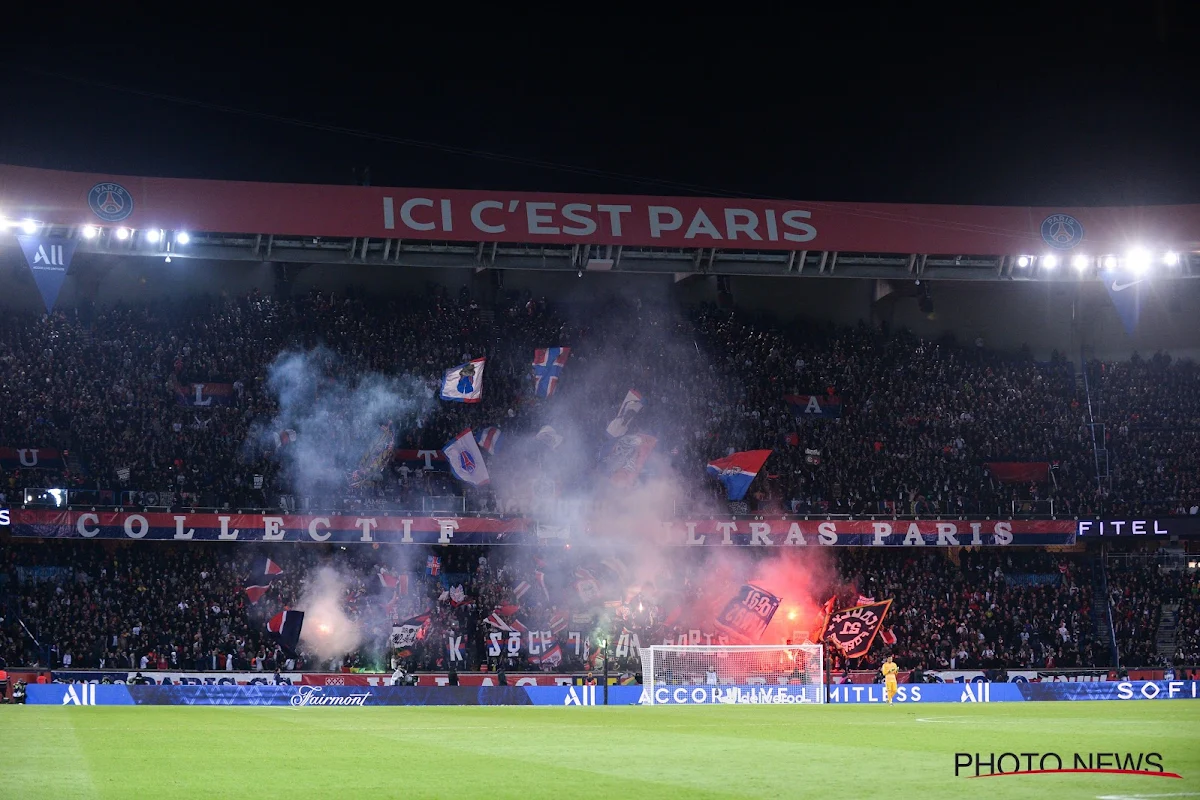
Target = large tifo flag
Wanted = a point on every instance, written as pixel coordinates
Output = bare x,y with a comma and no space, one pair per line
814,406
738,471
464,383
852,630
466,461
630,406
262,575
48,260
548,365
748,613
285,626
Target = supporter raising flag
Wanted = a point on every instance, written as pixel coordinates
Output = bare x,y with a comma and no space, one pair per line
464,383
285,627
262,575
738,471
548,365
466,462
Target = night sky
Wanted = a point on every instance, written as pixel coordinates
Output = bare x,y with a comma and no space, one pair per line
1073,103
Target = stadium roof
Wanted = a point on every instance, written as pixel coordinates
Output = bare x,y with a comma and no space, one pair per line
302,223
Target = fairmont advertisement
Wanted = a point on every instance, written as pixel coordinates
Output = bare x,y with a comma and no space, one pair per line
751,532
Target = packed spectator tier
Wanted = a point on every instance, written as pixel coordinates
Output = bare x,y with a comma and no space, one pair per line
127,606
920,421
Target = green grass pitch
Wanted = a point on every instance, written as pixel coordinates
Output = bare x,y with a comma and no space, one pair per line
830,752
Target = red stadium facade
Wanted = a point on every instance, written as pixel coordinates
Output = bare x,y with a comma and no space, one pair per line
521,230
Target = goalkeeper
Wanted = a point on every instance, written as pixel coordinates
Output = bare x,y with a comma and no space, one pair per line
889,671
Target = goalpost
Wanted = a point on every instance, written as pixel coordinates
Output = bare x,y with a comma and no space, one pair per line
735,674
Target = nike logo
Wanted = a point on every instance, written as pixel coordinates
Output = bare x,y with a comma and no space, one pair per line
1120,287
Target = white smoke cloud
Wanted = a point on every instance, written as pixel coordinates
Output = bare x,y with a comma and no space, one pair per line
328,631
336,418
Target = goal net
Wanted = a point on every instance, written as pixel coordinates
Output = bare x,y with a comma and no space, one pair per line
705,674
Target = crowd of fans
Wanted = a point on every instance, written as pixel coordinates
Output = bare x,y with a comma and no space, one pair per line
1139,587
920,420
130,606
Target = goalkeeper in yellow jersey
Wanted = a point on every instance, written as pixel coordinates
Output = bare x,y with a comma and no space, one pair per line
889,671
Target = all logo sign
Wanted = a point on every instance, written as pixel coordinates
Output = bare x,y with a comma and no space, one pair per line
48,259
83,694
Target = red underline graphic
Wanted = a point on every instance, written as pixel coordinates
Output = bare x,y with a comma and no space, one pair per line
1090,771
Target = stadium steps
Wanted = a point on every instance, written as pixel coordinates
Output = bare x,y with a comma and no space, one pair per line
1102,617
1168,621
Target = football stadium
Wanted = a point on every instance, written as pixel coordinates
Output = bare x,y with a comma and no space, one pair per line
341,491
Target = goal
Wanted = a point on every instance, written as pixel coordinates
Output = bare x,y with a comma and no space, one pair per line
737,674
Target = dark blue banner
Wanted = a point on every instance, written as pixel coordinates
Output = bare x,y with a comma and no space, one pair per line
48,260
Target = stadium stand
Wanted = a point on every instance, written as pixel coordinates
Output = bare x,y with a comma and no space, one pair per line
921,419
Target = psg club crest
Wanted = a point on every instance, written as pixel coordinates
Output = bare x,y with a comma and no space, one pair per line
467,462
1062,231
111,202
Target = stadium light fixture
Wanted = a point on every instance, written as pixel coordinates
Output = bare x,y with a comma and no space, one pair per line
153,235
29,226
122,233
1138,260
182,237
1023,261
1171,258
1079,261
1110,262
1050,261
90,231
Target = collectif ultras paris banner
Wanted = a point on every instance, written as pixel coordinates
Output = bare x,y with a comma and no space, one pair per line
467,530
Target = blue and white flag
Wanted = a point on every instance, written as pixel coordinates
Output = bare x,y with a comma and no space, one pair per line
466,461
548,365
48,260
464,383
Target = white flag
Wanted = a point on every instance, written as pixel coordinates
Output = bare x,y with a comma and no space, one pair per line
466,461
549,437
630,406
464,383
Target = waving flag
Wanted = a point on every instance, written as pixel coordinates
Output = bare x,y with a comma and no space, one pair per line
285,627
630,406
391,580
624,458
489,439
852,630
375,458
262,575
551,657
464,383
466,461
549,437
548,365
737,471
748,613
409,632
433,565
